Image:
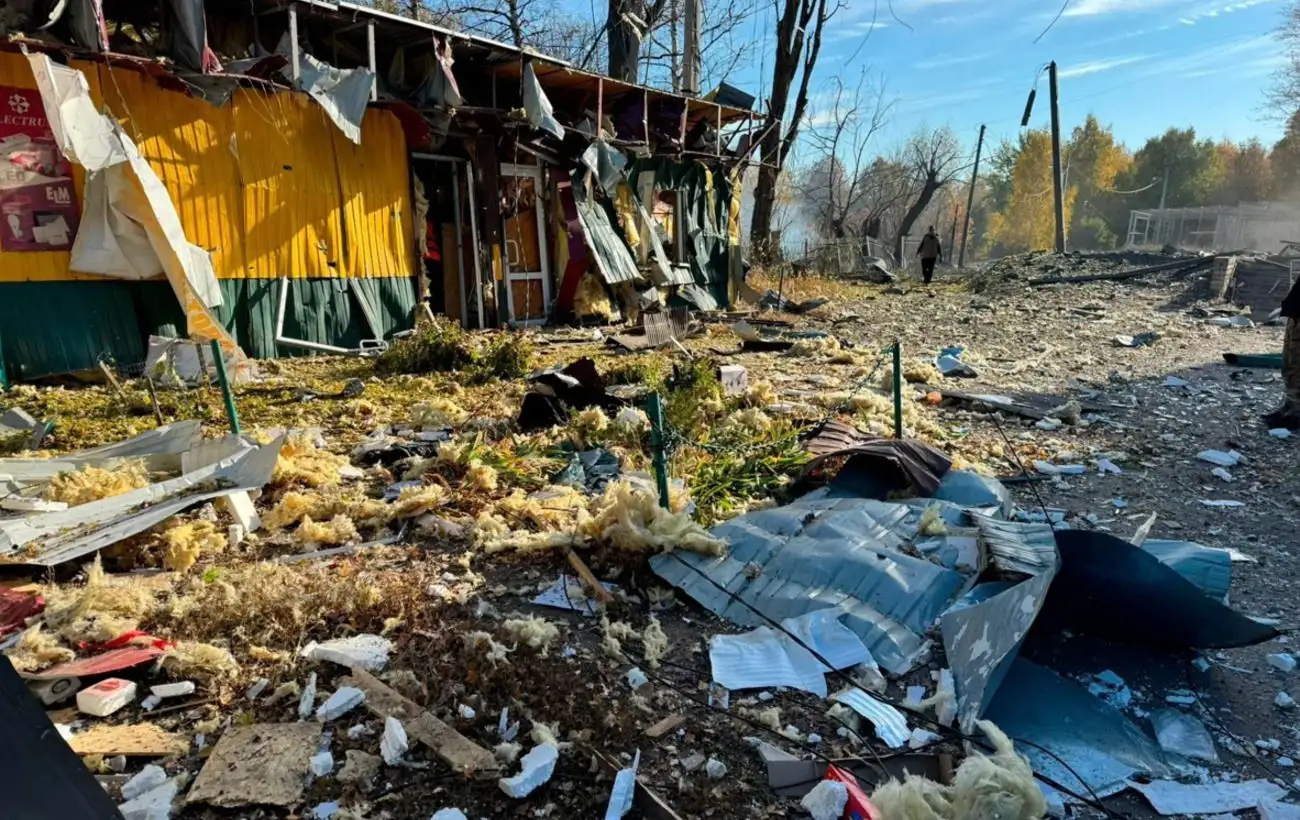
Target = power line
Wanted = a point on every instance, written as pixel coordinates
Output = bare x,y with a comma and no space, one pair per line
1054,19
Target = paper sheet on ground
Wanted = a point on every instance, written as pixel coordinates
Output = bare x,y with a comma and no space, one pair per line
767,657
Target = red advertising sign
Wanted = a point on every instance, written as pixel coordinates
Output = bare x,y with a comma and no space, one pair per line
38,202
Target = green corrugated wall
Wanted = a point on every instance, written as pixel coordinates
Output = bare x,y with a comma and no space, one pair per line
49,328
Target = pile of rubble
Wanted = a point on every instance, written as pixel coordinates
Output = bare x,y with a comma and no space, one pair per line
451,595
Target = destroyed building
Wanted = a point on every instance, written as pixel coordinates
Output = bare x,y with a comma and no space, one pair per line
301,178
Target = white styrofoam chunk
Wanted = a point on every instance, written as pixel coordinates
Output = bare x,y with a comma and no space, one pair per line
536,768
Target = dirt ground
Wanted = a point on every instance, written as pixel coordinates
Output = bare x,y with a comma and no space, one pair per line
427,596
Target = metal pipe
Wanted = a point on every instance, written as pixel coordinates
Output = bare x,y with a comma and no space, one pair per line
374,71
654,409
473,230
293,42
226,393
898,388
299,343
460,250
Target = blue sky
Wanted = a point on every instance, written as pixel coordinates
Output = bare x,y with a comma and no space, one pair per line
1139,65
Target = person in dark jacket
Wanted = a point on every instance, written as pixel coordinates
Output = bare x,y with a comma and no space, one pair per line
929,250
1288,415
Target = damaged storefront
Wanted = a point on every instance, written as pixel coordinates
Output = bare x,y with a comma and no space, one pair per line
420,171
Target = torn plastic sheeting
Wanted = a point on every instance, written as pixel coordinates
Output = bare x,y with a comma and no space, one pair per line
95,141
1034,705
821,552
114,660
541,115
1209,568
1173,799
891,726
1108,589
767,657
49,539
185,33
981,640
161,449
344,93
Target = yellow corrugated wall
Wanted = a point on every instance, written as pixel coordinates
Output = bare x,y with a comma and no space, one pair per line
266,183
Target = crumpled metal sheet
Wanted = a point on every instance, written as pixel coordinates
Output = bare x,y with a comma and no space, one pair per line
161,449
982,634
1109,589
1098,742
541,115
1209,568
50,539
821,552
613,259
344,93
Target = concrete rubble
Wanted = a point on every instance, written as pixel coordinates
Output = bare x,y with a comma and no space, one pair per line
356,599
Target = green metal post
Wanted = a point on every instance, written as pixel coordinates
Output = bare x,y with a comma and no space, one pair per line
226,392
655,410
898,388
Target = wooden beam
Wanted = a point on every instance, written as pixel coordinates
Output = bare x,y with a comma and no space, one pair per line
588,577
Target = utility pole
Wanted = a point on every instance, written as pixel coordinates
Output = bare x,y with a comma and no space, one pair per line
1164,189
691,48
970,199
1058,196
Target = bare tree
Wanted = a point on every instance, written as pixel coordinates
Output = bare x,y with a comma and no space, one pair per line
798,44
834,188
934,159
721,51
1284,97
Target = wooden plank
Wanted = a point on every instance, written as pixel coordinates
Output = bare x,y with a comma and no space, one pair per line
132,740
463,755
665,726
588,577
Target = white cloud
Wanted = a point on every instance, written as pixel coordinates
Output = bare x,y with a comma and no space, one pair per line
1098,66
1088,8
850,30
1216,9
941,62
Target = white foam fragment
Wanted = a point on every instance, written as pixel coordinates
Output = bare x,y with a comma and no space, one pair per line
344,700
715,769
152,805
1281,661
369,652
624,790
826,801
536,768
394,743
307,703
149,778
449,814
321,763
1221,458
173,690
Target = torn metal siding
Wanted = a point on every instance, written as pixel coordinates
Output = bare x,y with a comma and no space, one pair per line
613,259
820,552
50,539
707,198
